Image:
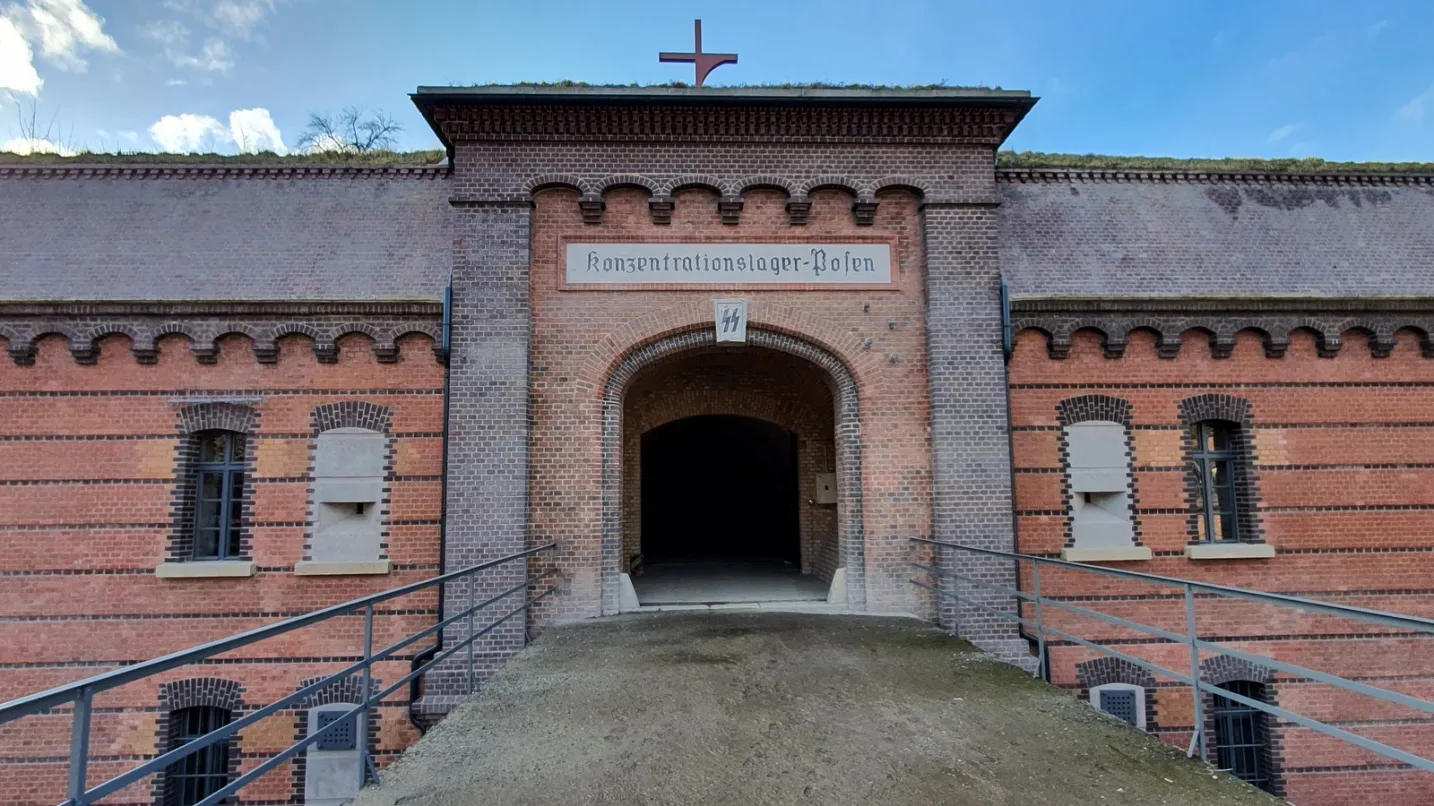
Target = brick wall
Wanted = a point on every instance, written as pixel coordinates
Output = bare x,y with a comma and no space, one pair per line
581,337
1342,490
88,464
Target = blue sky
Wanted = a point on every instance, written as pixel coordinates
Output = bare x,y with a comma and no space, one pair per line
1339,80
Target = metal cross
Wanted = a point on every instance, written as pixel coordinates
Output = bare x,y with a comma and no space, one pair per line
704,62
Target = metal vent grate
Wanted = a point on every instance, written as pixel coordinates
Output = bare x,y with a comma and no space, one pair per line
1119,704
341,737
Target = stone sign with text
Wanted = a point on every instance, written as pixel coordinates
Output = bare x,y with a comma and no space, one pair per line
618,264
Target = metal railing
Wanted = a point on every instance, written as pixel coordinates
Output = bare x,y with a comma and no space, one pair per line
1189,637
81,694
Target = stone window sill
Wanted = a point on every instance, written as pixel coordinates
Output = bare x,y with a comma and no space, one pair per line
205,569
307,568
1229,551
1122,554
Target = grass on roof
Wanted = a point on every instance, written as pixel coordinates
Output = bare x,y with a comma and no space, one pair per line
1309,165
678,85
1006,159
376,158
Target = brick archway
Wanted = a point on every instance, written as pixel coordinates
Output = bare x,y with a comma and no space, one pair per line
847,440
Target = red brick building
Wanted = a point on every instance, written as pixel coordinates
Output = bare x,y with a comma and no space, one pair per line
232,398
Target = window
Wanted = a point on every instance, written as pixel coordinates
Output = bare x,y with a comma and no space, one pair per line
219,495
1215,466
1098,472
1124,701
201,773
1240,734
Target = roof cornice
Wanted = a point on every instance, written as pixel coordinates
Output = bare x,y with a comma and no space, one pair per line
219,171
1039,175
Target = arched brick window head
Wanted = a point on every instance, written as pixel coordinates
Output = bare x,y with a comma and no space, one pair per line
1220,477
190,709
219,494
213,483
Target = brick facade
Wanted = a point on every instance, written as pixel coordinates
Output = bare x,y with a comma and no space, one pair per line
1148,300
1340,451
92,482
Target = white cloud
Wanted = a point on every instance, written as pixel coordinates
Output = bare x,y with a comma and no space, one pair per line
189,133
249,130
35,145
175,82
1414,112
17,61
254,130
328,142
1285,131
214,56
237,18
63,28
174,36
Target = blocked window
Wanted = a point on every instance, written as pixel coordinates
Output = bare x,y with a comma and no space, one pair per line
1098,474
348,495
1241,735
1124,701
333,764
203,772
219,494
1215,462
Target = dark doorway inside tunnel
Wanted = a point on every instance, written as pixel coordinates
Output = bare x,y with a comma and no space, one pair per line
720,488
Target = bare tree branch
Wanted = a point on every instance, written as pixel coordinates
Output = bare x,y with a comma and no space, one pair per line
353,131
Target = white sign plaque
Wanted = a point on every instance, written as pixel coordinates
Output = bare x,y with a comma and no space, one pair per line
615,264
731,320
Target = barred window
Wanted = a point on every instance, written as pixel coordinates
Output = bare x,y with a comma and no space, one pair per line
1216,468
219,495
1240,734
203,772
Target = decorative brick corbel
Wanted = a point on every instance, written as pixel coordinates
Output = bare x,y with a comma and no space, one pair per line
1381,345
385,353
85,352
1276,346
327,352
1058,348
23,354
1115,347
266,352
864,208
1169,347
661,207
1328,346
205,352
145,352
1222,346
798,209
730,207
592,206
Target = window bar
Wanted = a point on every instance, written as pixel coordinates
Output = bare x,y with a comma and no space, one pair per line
366,688
1192,632
80,746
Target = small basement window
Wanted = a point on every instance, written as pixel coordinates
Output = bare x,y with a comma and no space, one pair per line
1124,701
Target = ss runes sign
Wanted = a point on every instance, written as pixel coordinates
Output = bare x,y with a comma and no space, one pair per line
731,320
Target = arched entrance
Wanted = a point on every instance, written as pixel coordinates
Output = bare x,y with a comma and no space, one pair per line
735,468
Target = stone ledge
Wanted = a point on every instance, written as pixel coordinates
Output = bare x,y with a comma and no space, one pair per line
1229,551
312,568
1123,554
205,569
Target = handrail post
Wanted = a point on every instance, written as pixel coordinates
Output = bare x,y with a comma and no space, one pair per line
80,746
1041,670
472,585
1192,635
367,691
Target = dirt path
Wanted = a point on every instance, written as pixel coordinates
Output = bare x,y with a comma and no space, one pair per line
782,708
